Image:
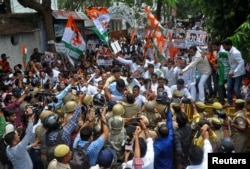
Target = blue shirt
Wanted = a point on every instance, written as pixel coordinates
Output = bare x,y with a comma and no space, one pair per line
67,130
115,93
164,147
60,97
18,154
93,149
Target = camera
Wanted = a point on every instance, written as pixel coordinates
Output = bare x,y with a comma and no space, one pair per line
186,101
221,114
162,98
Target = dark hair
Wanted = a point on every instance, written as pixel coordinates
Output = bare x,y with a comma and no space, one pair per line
8,138
154,74
196,155
130,98
49,70
116,69
160,86
227,42
136,87
215,42
86,132
181,119
163,130
120,83
194,48
143,147
151,66
8,113
7,98
3,54
180,82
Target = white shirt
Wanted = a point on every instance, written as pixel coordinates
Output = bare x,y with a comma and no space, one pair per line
133,83
204,165
184,91
201,63
141,100
89,89
148,159
170,74
236,62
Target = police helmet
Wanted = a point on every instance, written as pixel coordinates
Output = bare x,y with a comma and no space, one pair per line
70,106
87,99
51,122
116,123
98,99
118,109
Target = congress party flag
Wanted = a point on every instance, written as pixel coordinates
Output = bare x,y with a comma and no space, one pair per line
157,35
73,41
101,18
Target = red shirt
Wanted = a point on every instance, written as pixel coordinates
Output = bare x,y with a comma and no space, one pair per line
5,66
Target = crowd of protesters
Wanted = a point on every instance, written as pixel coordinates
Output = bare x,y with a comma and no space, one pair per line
139,112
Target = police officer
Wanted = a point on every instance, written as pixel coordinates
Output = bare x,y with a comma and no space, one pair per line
239,127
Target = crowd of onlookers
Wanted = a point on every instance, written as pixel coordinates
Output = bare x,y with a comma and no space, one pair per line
139,112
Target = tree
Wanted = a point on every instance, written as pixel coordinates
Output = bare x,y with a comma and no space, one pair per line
44,9
241,38
76,5
168,5
223,17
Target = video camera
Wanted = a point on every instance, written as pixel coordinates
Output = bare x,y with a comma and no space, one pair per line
162,98
221,114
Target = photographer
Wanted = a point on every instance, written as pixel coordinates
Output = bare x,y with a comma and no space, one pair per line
146,150
86,136
182,138
201,125
57,102
56,127
164,144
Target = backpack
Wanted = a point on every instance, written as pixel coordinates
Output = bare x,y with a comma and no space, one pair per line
79,157
51,146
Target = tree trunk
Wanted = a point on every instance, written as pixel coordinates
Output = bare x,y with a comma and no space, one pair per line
7,6
158,10
45,10
49,28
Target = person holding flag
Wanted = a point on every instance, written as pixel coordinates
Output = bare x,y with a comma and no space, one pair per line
73,41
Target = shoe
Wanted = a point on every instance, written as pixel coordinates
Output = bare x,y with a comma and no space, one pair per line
227,105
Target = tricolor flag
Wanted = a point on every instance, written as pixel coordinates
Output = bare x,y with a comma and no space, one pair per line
73,40
101,18
24,56
158,35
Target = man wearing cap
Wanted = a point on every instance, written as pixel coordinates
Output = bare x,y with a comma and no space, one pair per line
62,155
4,64
215,125
239,127
107,158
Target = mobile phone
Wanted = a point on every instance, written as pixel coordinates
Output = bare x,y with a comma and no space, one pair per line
128,147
